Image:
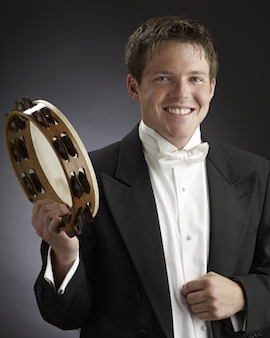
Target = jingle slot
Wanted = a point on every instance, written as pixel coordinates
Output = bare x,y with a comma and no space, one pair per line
28,185
60,148
84,181
75,231
76,186
69,145
36,181
21,122
27,102
23,149
14,127
88,213
72,231
65,223
40,118
80,220
18,106
16,152
48,115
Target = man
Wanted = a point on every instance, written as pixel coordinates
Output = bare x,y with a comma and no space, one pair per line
180,245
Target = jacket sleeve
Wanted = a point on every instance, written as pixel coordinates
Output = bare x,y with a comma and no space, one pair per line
256,284
71,309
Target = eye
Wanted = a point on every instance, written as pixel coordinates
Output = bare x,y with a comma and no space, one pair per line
162,78
196,79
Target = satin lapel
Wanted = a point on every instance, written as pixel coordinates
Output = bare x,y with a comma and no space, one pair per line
138,224
230,196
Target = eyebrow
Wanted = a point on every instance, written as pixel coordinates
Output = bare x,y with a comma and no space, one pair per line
193,72
198,72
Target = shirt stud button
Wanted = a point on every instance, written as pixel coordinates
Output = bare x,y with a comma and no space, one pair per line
136,296
142,333
189,237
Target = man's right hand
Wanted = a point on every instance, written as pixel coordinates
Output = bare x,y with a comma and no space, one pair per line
47,217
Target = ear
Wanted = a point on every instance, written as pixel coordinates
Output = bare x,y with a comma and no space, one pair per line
133,88
212,87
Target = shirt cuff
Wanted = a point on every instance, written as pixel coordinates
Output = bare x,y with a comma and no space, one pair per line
239,321
48,275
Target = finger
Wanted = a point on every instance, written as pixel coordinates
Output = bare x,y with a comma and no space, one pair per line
207,316
192,286
207,310
47,216
201,283
211,315
200,307
51,222
44,206
48,229
196,297
36,208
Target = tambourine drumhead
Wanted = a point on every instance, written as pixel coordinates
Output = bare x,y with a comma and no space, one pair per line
50,160
50,164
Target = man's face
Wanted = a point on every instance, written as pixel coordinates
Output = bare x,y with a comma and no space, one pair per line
175,91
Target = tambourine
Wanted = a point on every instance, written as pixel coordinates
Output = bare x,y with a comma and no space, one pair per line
50,161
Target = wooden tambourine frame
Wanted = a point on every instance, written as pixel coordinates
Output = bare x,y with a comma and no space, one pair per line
50,161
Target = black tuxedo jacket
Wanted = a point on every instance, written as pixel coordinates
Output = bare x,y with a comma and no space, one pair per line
120,289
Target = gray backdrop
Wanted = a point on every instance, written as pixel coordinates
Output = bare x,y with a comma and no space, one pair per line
71,54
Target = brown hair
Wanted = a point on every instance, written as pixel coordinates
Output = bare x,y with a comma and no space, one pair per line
154,31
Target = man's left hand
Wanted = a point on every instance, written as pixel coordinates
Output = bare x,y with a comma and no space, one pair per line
214,297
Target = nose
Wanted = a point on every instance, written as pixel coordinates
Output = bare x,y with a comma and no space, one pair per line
180,90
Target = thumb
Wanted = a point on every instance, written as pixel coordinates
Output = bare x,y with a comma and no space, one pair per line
184,290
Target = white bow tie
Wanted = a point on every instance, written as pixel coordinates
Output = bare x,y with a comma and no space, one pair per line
168,160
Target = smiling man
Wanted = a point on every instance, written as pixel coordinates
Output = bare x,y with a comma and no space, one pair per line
175,91
180,245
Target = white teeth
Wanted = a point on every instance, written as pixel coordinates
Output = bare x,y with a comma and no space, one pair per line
177,111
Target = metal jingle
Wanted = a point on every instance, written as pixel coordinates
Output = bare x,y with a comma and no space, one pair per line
23,149
80,220
48,115
29,185
16,152
27,102
14,127
88,214
22,117
84,182
40,118
36,182
61,149
76,187
21,122
18,106
69,144
75,231
65,223
72,231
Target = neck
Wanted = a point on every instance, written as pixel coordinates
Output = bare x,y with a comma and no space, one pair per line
178,143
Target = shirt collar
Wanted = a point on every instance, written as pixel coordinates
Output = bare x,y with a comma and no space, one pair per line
150,138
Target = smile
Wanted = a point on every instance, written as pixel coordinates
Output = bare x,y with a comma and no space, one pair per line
179,111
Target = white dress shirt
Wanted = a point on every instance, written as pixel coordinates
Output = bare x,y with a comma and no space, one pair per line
181,196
